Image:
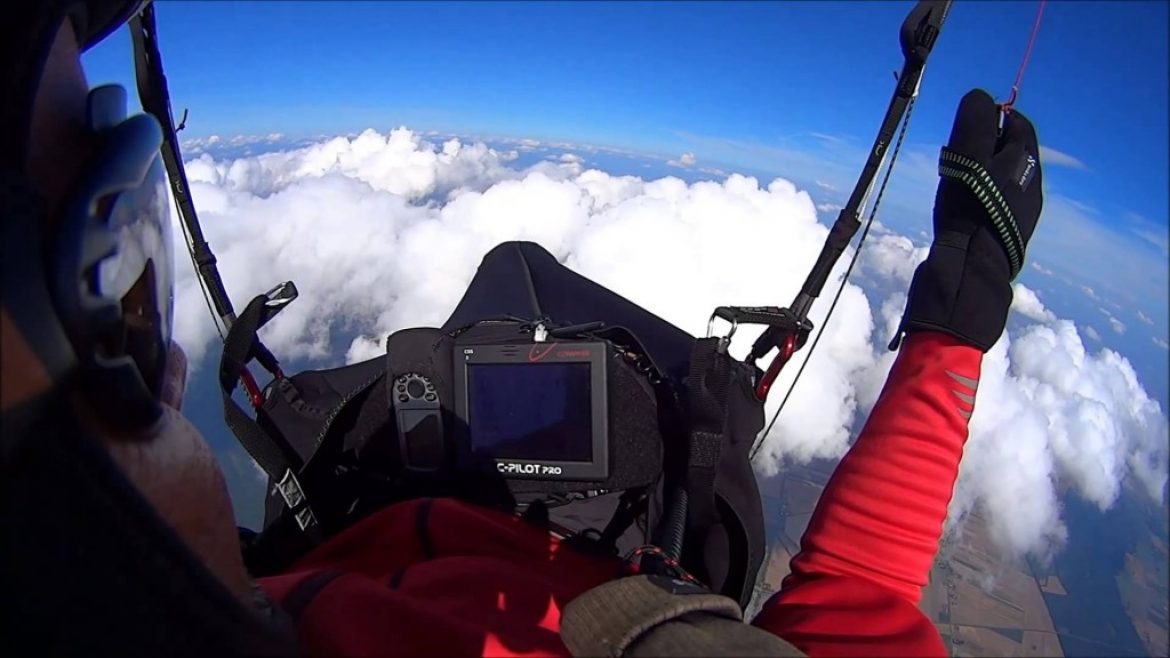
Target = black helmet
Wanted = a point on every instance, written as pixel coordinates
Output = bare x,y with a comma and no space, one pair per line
26,34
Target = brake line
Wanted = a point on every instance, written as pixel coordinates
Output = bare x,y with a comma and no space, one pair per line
1007,105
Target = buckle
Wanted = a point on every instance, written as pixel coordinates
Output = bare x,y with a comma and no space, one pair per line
294,496
281,294
290,490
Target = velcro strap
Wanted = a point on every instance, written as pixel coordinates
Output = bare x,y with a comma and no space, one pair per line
975,176
707,385
660,616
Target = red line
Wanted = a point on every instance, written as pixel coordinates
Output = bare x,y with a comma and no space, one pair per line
1027,56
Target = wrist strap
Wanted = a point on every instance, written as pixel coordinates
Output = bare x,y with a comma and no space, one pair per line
974,176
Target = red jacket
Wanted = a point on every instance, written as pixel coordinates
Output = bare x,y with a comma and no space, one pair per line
445,578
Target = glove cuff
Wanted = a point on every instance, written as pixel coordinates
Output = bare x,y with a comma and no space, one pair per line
962,288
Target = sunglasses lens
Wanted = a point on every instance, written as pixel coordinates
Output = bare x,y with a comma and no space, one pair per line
141,271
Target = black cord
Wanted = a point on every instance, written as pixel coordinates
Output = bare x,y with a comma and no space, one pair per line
844,280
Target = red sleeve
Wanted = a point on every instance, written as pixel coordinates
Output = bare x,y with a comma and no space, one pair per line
867,552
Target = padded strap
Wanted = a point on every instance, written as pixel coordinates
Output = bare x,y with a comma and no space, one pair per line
707,385
660,616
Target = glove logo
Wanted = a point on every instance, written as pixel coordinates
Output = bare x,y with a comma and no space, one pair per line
1026,171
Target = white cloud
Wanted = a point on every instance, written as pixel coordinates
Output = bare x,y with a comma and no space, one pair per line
1117,325
1026,302
1051,157
1150,231
1092,294
571,158
1142,317
892,258
829,207
1048,412
1092,333
685,161
381,232
826,186
832,139
1041,269
1161,342
1156,237
714,171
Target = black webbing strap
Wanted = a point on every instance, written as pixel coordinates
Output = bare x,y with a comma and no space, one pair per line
272,453
707,384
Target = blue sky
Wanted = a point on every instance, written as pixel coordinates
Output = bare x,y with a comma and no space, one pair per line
790,89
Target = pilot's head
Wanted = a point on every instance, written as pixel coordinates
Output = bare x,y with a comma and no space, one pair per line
114,511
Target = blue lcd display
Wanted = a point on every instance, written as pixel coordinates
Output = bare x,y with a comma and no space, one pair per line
537,411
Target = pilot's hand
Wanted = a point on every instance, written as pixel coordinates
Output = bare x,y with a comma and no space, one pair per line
985,212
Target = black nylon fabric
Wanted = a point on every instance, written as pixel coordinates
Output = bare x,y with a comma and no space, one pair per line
76,537
271,452
725,529
706,405
301,404
521,278
524,280
357,419
734,550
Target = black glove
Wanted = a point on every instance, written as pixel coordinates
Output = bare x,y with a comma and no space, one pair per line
986,209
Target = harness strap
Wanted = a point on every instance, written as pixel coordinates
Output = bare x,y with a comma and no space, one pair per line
707,385
272,453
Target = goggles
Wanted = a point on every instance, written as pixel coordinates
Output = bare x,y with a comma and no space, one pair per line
113,273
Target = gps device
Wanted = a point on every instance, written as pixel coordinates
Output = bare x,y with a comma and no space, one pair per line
420,423
536,410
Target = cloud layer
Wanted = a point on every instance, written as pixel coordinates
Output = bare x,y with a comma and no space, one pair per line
1026,302
1051,157
384,231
